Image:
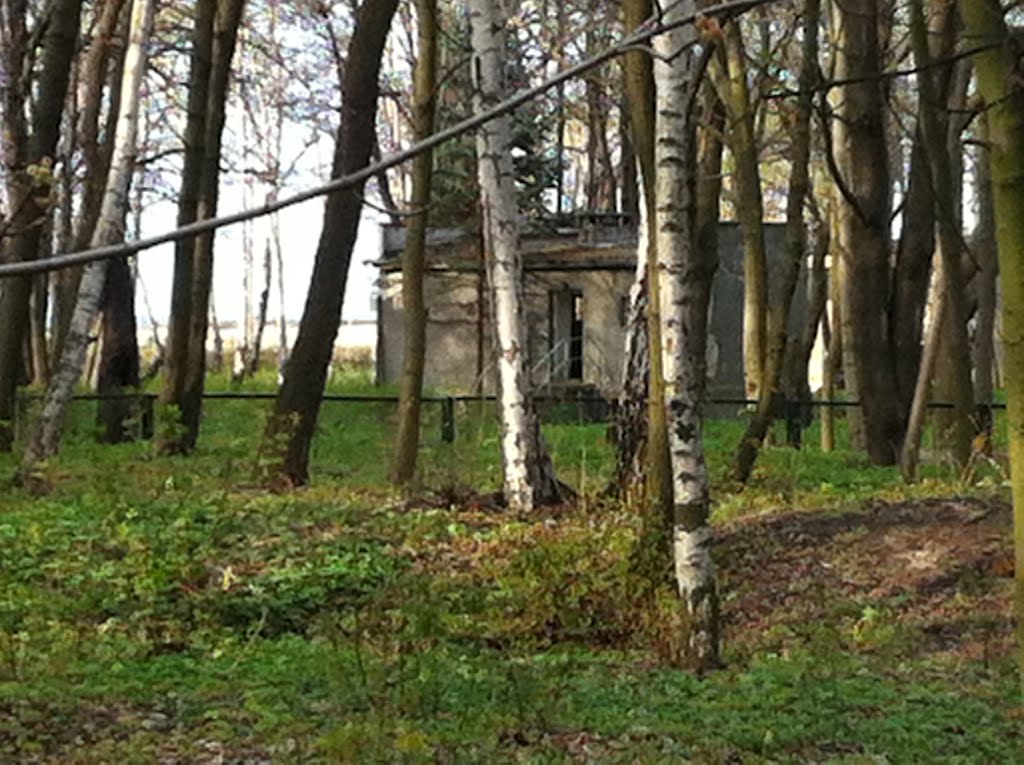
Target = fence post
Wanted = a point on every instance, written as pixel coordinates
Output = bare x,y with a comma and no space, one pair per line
448,419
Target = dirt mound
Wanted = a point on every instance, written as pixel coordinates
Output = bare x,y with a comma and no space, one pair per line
936,571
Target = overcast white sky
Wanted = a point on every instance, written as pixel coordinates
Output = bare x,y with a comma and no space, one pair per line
300,232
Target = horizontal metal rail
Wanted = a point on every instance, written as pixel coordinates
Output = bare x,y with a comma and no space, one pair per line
790,409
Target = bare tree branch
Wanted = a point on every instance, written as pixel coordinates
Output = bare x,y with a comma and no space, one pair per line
649,29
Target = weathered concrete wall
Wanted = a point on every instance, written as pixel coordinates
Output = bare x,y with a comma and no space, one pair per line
454,324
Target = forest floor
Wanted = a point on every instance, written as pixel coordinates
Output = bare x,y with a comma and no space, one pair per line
168,610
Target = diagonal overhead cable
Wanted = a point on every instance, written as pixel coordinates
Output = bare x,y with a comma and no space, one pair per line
652,27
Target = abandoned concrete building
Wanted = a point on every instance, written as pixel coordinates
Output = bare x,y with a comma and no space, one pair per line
577,281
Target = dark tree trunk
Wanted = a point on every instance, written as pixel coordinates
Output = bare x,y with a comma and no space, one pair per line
187,372
912,272
290,430
863,240
119,351
176,357
27,158
796,252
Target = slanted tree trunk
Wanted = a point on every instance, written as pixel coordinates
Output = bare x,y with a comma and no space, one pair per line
28,156
529,479
685,292
1000,85
800,348
938,314
796,251
289,432
407,439
45,439
863,232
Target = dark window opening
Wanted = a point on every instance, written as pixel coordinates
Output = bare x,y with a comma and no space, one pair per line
565,324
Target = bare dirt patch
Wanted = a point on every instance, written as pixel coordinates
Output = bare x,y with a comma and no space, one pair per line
940,570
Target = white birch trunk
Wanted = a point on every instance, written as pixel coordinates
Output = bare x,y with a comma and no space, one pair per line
45,439
528,477
680,276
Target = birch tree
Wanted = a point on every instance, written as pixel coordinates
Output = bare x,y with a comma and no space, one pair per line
45,438
685,291
528,473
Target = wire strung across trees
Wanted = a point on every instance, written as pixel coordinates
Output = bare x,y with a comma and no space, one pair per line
636,39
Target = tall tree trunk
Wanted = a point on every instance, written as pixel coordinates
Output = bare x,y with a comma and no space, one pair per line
796,250
263,309
225,35
28,157
289,432
938,316
985,284
685,291
119,351
863,240
653,554
629,426
800,348
731,82
912,271
40,351
529,479
214,36
935,128
424,101
94,127
1000,86
172,392
45,439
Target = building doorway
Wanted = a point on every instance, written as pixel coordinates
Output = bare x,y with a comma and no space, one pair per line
565,334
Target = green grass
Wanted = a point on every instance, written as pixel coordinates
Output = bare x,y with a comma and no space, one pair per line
154,607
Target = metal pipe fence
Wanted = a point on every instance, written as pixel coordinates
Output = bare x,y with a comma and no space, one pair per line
792,412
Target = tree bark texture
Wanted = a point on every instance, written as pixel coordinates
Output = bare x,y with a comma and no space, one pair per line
935,129
731,82
289,432
1000,86
119,351
172,392
45,439
938,314
863,241
796,251
629,428
407,439
653,555
684,293
28,156
529,478
984,248
102,61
